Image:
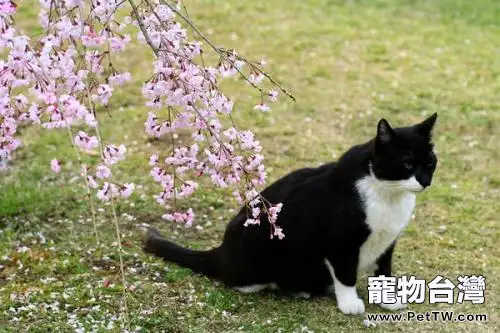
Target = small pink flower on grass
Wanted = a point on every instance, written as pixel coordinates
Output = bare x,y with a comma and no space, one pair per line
127,190
262,107
186,218
102,172
55,166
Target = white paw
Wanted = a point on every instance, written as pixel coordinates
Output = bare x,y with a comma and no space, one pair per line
351,305
393,307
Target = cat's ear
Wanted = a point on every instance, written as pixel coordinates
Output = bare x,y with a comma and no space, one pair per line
425,127
385,133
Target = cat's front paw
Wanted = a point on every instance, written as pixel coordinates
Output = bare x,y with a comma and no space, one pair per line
351,305
393,307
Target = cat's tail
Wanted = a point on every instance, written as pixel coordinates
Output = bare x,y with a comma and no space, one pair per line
203,262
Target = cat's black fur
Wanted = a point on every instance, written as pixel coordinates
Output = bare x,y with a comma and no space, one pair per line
322,217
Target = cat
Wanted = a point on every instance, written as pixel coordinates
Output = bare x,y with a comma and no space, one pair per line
339,219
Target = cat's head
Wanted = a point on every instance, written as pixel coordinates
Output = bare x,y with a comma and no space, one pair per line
403,157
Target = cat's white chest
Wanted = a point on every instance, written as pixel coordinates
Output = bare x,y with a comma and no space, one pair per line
387,214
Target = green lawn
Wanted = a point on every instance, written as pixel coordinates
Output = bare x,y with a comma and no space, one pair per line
348,63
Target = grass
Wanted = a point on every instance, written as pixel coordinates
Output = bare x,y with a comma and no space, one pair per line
348,63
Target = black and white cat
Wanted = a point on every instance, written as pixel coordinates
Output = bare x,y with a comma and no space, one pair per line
339,219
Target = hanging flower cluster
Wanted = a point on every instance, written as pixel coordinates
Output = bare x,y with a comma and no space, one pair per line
59,79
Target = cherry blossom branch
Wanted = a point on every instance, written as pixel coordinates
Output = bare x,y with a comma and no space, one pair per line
223,52
87,187
69,68
259,70
113,209
141,25
82,166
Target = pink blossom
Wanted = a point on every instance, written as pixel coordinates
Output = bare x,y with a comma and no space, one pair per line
91,39
90,120
262,107
94,59
127,190
20,101
155,128
251,222
186,156
112,154
252,196
248,141
108,191
273,95
256,212
104,92
102,194
187,218
55,165
86,142
119,43
102,172
231,133
187,189
160,175
163,197
273,212
278,232
33,114
7,7
221,104
91,181
227,70
164,13
153,159
256,79
118,79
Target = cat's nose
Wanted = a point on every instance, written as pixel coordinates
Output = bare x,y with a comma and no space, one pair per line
425,181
